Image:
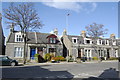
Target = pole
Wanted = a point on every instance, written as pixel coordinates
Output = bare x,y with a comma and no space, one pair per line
67,29
67,21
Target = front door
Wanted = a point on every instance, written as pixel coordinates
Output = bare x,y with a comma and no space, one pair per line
108,54
32,53
79,53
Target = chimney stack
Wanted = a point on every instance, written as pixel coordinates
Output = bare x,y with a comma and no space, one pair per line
12,28
112,36
65,32
56,31
83,33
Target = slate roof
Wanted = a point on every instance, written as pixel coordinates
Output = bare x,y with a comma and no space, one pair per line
33,37
80,38
40,37
11,38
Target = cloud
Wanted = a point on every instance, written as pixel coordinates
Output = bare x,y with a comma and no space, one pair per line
94,5
89,7
74,6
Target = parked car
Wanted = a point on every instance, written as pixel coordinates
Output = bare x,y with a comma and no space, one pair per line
5,60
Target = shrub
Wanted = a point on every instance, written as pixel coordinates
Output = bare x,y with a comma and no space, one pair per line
47,57
70,60
95,58
58,58
36,57
55,58
113,58
62,59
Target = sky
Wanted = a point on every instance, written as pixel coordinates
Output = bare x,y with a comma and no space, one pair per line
53,15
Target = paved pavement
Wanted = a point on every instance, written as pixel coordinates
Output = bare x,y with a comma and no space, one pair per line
105,69
28,64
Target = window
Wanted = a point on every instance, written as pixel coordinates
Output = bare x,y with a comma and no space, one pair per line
18,52
88,41
107,42
74,40
52,40
99,41
52,50
114,42
19,38
103,42
85,55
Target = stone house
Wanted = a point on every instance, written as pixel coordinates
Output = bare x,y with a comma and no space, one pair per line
37,42
84,46
2,38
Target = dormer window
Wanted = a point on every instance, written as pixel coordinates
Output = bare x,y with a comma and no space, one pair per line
52,40
103,42
107,42
88,41
74,40
18,38
114,42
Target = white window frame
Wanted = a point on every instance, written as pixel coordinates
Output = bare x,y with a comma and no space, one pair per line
18,37
52,40
99,42
87,39
74,39
107,41
18,52
114,42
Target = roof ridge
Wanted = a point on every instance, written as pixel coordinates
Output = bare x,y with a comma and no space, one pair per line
39,33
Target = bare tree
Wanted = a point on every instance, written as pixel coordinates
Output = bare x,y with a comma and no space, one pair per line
25,17
96,31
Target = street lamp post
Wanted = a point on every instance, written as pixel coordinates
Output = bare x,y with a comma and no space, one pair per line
67,29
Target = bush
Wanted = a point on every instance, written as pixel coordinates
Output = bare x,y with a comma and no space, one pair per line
95,58
48,56
70,60
58,58
62,59
113,58
36,57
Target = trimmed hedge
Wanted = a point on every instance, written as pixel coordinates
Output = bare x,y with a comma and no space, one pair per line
113,58
95,58
58,58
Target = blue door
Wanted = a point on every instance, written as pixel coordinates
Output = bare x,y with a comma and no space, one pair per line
32,53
